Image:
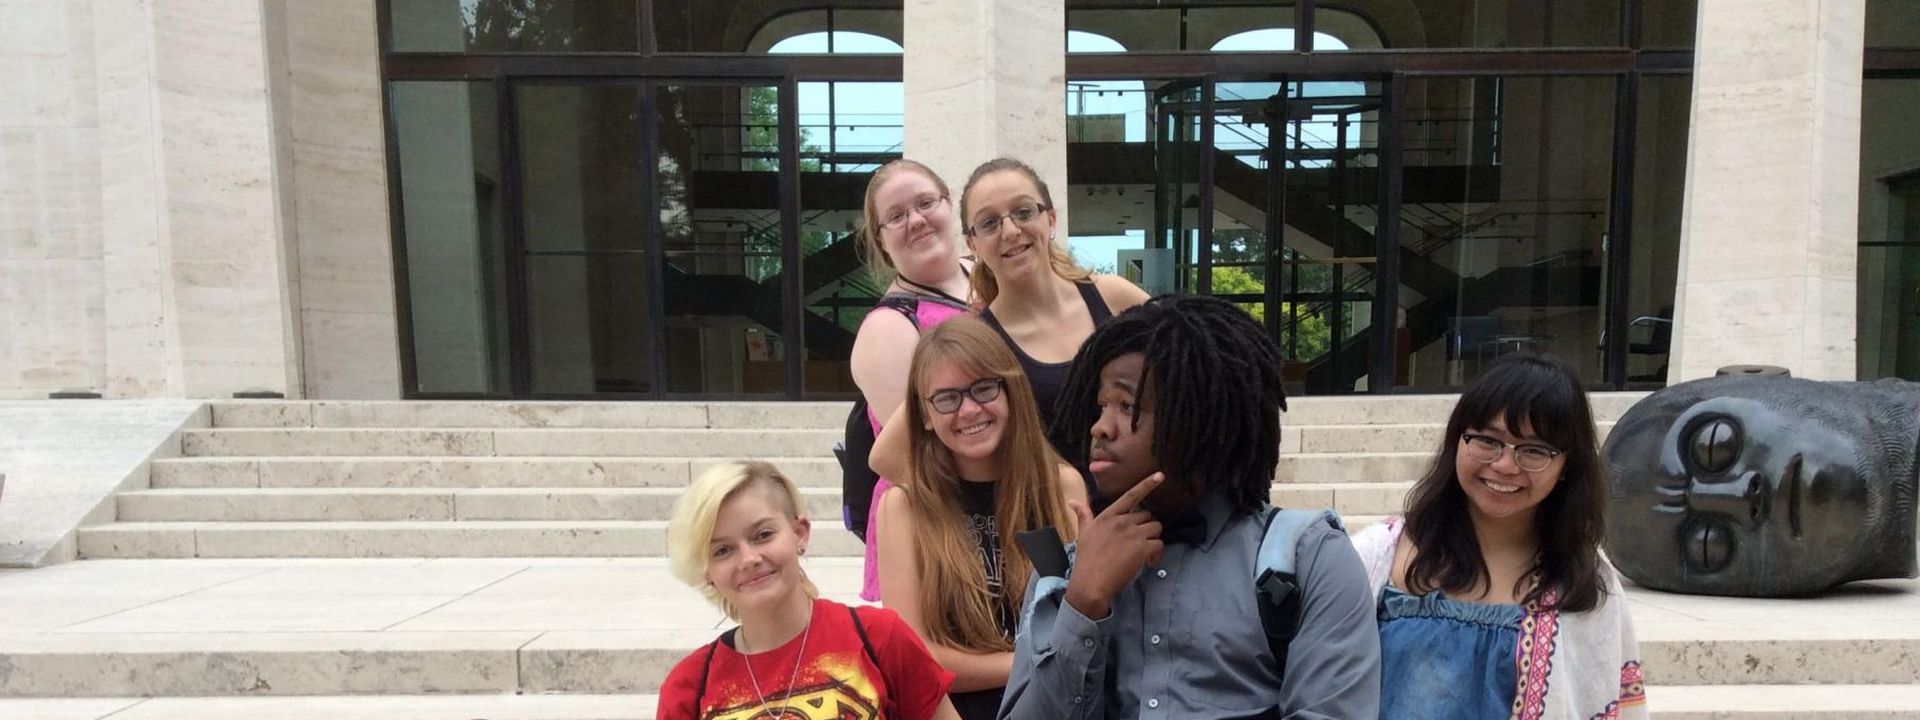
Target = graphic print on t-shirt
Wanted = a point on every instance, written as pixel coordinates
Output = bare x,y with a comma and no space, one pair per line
984,531
833,686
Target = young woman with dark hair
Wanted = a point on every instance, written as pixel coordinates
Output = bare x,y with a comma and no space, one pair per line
982,474
1492,594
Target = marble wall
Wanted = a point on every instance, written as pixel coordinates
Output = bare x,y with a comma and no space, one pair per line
1767,258
157,171
984,79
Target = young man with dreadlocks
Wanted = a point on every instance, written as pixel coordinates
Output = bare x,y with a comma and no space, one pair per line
1175,407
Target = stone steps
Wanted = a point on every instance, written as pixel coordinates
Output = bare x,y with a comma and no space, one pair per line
629,661
408,539
1711,702
514,442
428,539
597,472
1359,409
288,505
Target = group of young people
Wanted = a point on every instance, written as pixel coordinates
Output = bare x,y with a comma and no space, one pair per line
1019,399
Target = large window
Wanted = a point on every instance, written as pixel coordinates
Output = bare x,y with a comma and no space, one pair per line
581,226
1889,261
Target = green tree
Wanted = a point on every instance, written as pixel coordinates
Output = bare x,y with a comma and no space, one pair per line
1314,336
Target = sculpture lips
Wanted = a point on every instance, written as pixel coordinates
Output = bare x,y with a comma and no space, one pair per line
1709,545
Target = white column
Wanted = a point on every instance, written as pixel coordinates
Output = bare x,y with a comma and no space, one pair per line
1768,241
986,78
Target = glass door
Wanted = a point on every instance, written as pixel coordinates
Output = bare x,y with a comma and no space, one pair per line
1294,188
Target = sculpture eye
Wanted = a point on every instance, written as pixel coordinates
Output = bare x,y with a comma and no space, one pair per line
1714,445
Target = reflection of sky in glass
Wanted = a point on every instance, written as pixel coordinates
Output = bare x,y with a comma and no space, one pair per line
847,117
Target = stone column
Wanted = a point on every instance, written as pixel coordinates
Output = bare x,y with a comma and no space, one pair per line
229,296
1768,239
986,78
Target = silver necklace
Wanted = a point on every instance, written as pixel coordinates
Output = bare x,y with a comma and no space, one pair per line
798,658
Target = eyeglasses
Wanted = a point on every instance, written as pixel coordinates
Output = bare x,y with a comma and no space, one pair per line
924,204
1022,214
1487,451
947,401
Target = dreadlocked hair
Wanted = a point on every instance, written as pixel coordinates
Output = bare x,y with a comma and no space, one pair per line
1212,376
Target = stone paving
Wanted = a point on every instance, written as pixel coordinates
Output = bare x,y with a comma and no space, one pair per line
603,632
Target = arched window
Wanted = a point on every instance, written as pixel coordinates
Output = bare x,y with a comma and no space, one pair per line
1272,40
1104,110
838,42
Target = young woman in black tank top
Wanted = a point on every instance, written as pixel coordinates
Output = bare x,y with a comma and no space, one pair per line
1041,303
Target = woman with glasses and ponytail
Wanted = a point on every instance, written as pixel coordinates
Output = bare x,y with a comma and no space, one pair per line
980,473
1493,598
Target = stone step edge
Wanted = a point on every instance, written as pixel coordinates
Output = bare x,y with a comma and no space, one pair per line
1680,702
655,490
775,459
1353,522
298,664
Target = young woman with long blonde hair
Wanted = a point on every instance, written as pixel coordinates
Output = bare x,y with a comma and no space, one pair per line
981,473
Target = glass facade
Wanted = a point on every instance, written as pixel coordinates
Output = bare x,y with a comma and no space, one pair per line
658,199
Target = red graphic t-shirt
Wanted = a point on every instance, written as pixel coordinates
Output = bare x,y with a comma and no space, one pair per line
837,680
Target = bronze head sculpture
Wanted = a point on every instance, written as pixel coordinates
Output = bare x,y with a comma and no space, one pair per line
1765,486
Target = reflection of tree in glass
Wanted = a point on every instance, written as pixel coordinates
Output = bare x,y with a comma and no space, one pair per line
762,125
1314,336
502,25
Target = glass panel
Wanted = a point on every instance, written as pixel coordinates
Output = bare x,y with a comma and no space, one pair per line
847,130
1146,30
1659,183
448,148
1491,24
1264,28
490,26
718,174
582,190
1506,184
736,26
1110,171
1889,302
1893,23
1324,309
1669,23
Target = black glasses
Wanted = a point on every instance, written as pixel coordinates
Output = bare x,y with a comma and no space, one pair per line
923,205
1487,451
947,401
1021,214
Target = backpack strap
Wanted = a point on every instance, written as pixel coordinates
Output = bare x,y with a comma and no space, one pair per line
1276,585
706,668
865,642
904,303
873,657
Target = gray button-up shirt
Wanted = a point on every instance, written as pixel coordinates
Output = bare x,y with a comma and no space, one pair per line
1184,639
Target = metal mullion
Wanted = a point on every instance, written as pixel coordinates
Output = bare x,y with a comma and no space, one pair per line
1303,25
643,30
456,66
1205,259
1279,147
792,313
1620,228
1630,23
396,221
1574,61
1386,268
654,270
519,353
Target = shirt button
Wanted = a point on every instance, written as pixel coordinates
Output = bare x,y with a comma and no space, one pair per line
1088,642
1155,639
1162,574
1077,699
1153,702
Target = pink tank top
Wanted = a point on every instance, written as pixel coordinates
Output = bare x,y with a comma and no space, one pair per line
926,314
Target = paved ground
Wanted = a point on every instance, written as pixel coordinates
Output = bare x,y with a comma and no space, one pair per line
1865,633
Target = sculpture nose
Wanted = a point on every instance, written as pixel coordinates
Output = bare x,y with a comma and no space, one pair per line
1739,498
